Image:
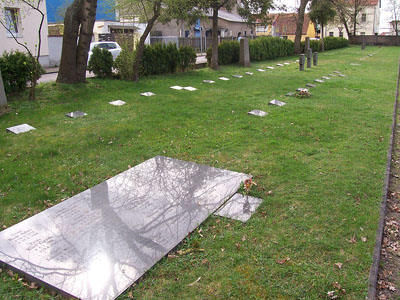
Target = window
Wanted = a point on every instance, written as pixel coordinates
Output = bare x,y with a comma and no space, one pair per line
341,34
362,33
12,21
364,18
331,33
245,33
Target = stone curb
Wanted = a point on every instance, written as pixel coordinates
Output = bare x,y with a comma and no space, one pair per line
373,273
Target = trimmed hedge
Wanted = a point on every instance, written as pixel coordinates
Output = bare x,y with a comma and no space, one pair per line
330,42
262,48
101,62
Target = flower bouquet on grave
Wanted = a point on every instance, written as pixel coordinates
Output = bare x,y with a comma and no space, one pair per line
248,183
303,94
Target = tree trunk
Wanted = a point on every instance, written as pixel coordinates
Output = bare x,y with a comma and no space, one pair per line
78,22
214,40
299,26
140,46
322,38
354,23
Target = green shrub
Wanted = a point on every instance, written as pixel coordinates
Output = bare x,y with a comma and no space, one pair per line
101,63
330,42
16,70
123,64
228,53
187,58
159,59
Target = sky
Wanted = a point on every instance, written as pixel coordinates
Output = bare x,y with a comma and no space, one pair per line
385,15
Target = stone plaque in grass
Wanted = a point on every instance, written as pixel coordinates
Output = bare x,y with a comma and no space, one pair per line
249,73
332,75
147,94
176,87
117,103
310,85
239,207
96,244
20,128
224,78
271,68
208,81
258,113
337,72
286,63
279,65
319,80
260,70
370,55
325,77
290,94
237,76
355,64
190,88
276,102
342,75
76,114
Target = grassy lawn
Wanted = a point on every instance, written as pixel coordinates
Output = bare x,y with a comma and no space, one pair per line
323,158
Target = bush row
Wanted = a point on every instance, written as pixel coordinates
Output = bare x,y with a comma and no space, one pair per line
16,70
262,48
156,59
330,42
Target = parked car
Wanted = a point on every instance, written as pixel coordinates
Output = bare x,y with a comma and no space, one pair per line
113,47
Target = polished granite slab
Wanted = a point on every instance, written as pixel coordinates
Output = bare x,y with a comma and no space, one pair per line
176,87
95,244
190,88
276,102
286,63
271,68
258,113
249,73
224,78
20,128
260,70
239,207
147,94
237,76
76,114
117,103
208,81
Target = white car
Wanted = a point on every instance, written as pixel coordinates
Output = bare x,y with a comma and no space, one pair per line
113,47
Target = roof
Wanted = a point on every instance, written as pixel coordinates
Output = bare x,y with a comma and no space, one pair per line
286,24
225,15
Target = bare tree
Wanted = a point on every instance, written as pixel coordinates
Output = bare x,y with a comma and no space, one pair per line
394,9
78,22
299,25
12,25
348,13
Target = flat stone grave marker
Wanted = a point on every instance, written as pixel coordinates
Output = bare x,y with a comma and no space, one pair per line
76,114
325,77
260,70
237,76
276,102
117,102
224,78
286,63
239,207
190,88
342,75
319,80
354,64
258,113
332,75
279,65
271,68
96,244
370,55
302,90
290,94
208,81
147,94
249,73
20,128
310,85
337,72
176,87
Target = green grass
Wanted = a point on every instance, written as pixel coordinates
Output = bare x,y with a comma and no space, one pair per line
323,158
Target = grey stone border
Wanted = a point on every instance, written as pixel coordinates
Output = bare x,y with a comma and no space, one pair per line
373,272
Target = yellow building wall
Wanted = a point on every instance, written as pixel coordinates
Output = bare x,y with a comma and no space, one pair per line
310,33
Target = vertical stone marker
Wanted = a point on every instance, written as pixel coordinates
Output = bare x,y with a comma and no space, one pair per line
301,62
309,57
244,52
363,46
306,45
315,58
3,98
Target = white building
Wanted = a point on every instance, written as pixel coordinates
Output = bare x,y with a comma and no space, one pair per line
23,23
368,22
119,26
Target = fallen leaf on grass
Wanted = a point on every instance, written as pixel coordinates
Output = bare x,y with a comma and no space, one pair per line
339,265
353,240
194,282
190,250
130,295
282,261
243,238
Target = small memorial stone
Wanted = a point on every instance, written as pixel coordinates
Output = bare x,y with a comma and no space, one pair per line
260,70
3,98
208,81
370,55
117,102
337,72
176,87
244,55
279,65
276,102
237,76
147,94
190,88
290,94
315,58
319,80
325,77
306,45
286,63
309,57
342,75
332,75
310,85
363,45
258,113
239,207
354,64
249,73
20,128
271,68
76,114
224,78
301,62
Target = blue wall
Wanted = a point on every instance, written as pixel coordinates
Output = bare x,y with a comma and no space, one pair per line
104,11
